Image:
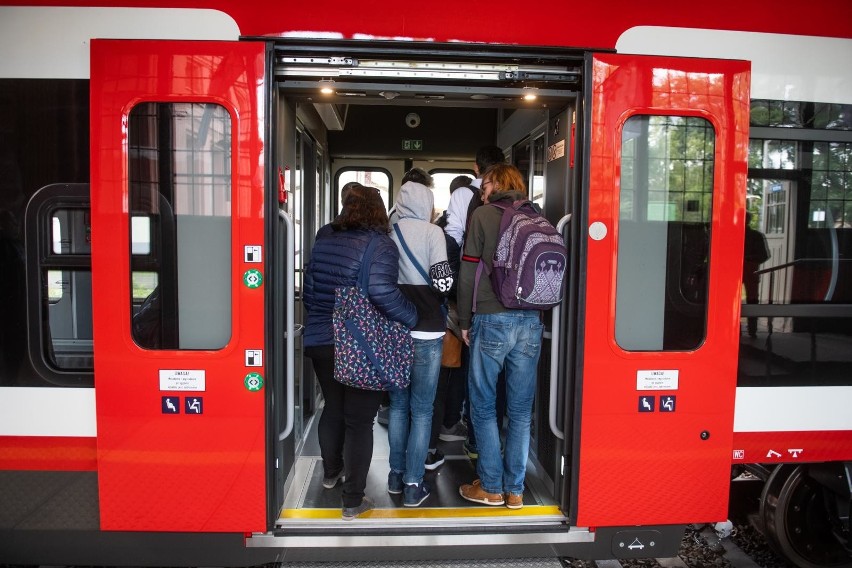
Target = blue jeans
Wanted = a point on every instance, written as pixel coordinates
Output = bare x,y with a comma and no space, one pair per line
512,341
410,416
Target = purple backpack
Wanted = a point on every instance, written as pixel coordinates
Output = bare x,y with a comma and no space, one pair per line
530,261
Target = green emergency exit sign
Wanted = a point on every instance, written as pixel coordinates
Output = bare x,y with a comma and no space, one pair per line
412,144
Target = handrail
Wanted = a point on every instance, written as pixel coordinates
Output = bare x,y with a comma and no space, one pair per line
835,269
555,330
796,262
290,326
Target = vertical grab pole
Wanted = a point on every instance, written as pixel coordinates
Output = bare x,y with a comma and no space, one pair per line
290,329
555,332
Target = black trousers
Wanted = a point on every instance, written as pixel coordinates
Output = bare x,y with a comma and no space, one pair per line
345,427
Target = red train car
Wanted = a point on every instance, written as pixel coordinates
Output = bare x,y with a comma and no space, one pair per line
160,194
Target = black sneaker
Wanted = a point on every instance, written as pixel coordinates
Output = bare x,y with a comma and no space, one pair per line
414,495
330,482
349,513
434,460
456,433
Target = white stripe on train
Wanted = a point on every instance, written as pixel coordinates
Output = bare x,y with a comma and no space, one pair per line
71,411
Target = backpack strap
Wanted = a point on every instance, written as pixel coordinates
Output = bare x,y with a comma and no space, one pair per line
411,256
503,206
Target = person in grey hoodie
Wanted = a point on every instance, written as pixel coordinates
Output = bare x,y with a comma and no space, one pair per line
425,278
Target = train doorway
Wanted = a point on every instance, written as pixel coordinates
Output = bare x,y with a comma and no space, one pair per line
392,109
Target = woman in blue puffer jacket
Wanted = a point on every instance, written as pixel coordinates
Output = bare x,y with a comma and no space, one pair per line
346,425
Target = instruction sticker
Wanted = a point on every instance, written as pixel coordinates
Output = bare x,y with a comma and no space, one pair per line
657,380
253,253
182,380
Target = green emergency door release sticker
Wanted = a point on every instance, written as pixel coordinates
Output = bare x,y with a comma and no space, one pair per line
253,382
253,278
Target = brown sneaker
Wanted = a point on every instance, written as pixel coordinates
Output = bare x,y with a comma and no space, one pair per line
474,492
514,501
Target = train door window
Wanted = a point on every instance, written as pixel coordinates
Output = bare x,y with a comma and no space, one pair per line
528,156
521,158
297,203
379,178
69,291
321,199
536,185
665,203
180,209
441,179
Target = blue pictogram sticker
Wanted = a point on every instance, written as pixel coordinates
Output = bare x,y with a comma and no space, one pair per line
668,403
646,403
193,405
171,405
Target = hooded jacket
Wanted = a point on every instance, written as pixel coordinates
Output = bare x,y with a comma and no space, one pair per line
428,246
336,261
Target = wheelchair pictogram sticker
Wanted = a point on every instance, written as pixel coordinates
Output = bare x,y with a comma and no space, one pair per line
253,382
253,278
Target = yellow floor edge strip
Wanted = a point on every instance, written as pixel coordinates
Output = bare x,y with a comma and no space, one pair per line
425,513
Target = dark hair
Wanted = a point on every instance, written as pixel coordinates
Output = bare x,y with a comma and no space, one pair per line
418,176
362,209
487,156
459,181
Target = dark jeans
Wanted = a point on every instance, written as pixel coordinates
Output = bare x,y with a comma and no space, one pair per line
345,427
449,399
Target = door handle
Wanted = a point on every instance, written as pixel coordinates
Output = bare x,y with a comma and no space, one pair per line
290,324
555,332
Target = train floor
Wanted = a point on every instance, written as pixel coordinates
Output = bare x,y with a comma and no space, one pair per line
309,505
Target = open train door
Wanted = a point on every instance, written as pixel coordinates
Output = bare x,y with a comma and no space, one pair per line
667,140
180,265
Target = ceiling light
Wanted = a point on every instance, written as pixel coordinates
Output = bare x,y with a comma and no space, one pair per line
326,86
530,93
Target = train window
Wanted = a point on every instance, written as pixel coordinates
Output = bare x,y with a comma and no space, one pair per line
800,114
831,186
441,179
664,232
798,298
379,178
180,207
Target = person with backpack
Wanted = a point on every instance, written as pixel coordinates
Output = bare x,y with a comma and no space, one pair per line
463,201
502,338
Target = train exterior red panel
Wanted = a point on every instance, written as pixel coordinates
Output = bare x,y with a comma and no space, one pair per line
559,24
159,471
42,453
640,467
